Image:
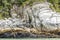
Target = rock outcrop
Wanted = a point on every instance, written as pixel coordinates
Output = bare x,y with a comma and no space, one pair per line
43,17
39,16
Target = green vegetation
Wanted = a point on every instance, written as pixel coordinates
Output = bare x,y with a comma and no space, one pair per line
7,5
56,4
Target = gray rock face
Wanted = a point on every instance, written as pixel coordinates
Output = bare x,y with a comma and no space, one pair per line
39,15
11,22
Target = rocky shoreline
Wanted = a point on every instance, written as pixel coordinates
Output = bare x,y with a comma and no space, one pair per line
37,21
26,33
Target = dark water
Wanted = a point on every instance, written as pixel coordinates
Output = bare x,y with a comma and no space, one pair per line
25,35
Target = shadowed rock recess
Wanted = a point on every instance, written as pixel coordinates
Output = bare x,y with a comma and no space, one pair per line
38,20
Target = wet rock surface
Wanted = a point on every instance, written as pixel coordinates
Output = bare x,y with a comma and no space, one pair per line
27,35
